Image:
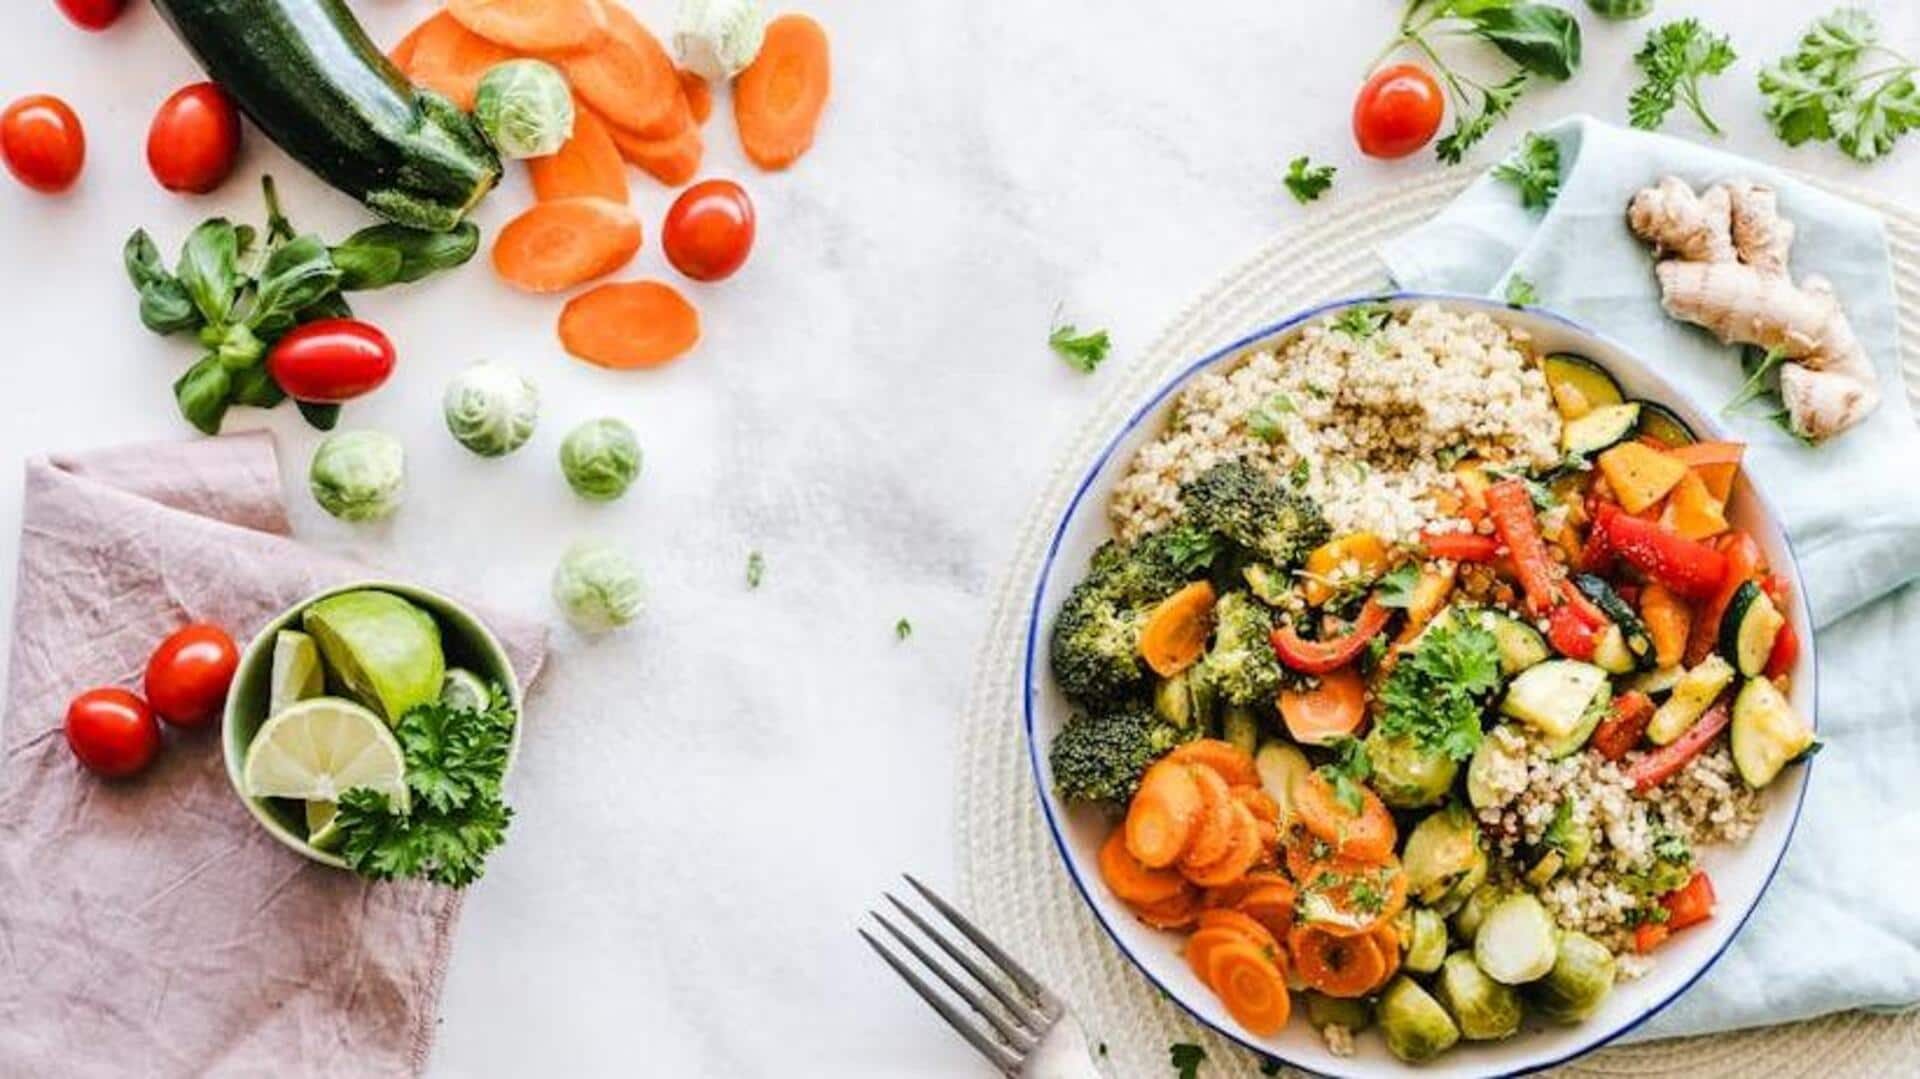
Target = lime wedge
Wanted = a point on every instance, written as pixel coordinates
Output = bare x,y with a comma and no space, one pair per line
322,834
318,748
383,650
297,673
464,691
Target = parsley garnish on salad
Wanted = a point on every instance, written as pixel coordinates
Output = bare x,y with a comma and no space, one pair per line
1348,772
1534,168
1306,181
1438,690
1082,351
1395,588
902,629
1363,321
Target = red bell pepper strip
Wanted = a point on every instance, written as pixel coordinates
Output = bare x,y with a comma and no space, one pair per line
1744,562
1319,657
1519,531
1570,635
1658,766
1686,567
1647,936
1786,650
1689,904
1460,546
1625,725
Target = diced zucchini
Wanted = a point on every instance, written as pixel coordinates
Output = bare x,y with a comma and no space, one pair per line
1767,732
1516,943
1241,727
1748,628
1603,427
1657,681
1578,385
1427,942
1633,631
1576,739
1660,422
1610,652
1553,696
1279,764
1689,699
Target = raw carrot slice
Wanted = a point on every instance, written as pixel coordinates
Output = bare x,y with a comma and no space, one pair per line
1176,632
1345,967
1332,709
1241,854
1175,913
1252,986
672,160
778,99
1236,922
699,95
534,25
402,52
629,324
630,80
449,59
1367,836
1233,763
1132,882
1164,814
1215,832
587,166
557,245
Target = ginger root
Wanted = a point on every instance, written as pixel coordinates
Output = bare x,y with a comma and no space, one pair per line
1723,265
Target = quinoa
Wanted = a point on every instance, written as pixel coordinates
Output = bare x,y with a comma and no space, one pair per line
1339,1039
1369,422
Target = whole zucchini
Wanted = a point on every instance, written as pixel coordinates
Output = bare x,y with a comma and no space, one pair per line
307,75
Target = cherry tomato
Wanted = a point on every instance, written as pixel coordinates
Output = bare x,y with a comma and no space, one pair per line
334,359
709,230
112,732
1398,111
194,140
43,143
92,14
188,675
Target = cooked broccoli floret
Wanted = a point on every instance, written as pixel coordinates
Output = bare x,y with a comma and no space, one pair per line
1099,758
1241,665
1238,502
1096,646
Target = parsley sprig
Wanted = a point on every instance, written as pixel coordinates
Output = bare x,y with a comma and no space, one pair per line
1306,181
1534,168
1348,772
1439,689
1674,58
1082,351
1841,84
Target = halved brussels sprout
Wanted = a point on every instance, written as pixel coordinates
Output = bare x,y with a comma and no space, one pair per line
1405,775
1417,1028
1444,848
1466,920
1279,764
1578,983
1516,942
1498,771
1324,1011
1427,940
1482,1008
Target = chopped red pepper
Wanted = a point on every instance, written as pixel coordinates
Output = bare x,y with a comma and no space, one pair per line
1625,725
1570,634
1689,904
1647,936
1786,650
1658,766
1744,562
1518,529
1319,657
1686,567
1460,546
1588,611
1595,556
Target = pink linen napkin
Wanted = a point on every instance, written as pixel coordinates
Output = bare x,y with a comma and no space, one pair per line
150,926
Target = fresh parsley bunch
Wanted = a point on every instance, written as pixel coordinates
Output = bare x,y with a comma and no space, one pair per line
1541,40
1438,691
455,761
1841,84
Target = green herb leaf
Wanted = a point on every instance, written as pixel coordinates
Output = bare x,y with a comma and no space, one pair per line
1348,772
165,306
414,253
1439,689
1495,102
902,630
1363,321
1520,293
209,269
255,387
203,394
1673,59
1306,181
1819,92
1395,589
756,569
299,274
1267,421
1083,352
363,268
1534,168
1540,38
1186,1059
1301,474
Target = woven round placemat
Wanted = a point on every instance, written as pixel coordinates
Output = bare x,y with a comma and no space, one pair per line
1010,874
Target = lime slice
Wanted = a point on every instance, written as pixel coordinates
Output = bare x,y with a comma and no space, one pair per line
297,673
464,691
382,649
318,748
322,833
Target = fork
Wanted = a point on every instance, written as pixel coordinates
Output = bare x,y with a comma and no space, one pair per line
1025,1030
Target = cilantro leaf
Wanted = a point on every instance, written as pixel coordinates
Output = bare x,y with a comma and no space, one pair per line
1347,772
1439,689
1674,58
1826,89
1082,351
902,630
756,568
1395,589
1363,320
1186,1058
1520,293
1534,168
1306,181
1266,422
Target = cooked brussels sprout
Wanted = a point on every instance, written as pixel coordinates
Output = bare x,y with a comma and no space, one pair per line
1463,889
1417,1028
1443,848
1482,1008
597,587
1280,763
1240,726
1466,920
1498,770
1405,775
1324,1011
717,39
358,475
1578,983
525,107
600,459
1427,940
1516,941
491,409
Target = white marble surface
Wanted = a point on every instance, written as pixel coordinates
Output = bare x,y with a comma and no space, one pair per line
709,800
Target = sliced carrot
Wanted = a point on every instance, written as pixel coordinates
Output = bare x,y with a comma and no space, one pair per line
1131,882
534,25
1215,832
1332,709
1669,622
1259,803
1236,922
1350,899
1387,939
778,99
699,95
1272,905
1230,895
1367,836
629,324
1241,855
630,80
1345,967
449,59
588,165
1234,764
402,52
672,160
1200,947
1715,462
1252,986
1178,912
557,245
1164,814
1176,631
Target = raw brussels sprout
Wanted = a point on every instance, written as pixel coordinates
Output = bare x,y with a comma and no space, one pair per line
525,107
1482,1008
1620,9
600,459
717,39
1417,1028
1406,776
1443,849
358,475
1516,942
1325,1011
1579,982
597,587
491,409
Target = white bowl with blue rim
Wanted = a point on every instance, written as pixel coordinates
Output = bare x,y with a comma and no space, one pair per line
1741,872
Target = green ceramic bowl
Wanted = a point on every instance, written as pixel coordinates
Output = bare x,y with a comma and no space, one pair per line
465,639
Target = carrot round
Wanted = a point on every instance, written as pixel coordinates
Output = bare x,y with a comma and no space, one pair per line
1241,854
1387,939
1366,836
587,165
402,52
1230,895
1200,948
778,99
672,160
629,80
1345,967
1259,803
699,95
1164,814
629,324
1234,764
1347,898
1272,905
1252,986
1215,832
557,245
1175,633
1175,913
534,25
1237,922
449,59
1131,882
1334,708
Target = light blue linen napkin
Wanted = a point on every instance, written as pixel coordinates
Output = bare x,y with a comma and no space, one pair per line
1840,927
